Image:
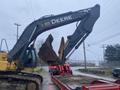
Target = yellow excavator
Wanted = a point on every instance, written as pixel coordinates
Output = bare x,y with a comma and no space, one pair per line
17,65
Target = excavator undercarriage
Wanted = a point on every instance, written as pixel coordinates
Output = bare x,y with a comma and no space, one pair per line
20,80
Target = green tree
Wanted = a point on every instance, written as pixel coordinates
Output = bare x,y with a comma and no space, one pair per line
112,53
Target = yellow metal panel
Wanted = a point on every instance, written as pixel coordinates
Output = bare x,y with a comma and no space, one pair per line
4,64
3,56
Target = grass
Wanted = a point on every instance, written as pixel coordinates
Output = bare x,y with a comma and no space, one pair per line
41,71
98,71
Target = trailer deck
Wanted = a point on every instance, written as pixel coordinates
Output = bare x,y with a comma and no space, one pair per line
78,82
75,81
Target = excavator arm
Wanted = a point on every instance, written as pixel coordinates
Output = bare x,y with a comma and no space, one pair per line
82,31
88,17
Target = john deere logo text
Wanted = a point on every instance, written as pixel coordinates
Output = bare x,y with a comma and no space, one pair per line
62,19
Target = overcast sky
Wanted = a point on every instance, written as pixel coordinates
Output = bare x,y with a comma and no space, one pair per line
105,31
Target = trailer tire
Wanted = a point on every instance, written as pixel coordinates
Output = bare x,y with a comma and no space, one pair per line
78,88
115,75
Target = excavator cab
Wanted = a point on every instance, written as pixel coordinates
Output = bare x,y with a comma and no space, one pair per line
30,57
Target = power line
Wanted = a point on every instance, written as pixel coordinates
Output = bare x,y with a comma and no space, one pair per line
91,52
30,7
107,5
110,28
105,39
114,23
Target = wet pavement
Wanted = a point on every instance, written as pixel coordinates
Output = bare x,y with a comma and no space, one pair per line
75,72
47,83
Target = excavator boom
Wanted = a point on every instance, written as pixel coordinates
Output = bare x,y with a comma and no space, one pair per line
46,23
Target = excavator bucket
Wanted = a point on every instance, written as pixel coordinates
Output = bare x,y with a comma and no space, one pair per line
46,52
61,48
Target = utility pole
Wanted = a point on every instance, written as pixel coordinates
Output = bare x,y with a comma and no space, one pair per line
17,30
103,46
84,51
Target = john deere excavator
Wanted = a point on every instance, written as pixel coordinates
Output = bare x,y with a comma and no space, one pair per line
15,64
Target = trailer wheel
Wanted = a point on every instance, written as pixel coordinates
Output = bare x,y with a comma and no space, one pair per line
78,88
115,75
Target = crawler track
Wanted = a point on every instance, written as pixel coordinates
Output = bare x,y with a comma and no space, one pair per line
30,80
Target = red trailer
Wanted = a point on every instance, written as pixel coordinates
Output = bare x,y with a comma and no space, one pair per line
78,82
